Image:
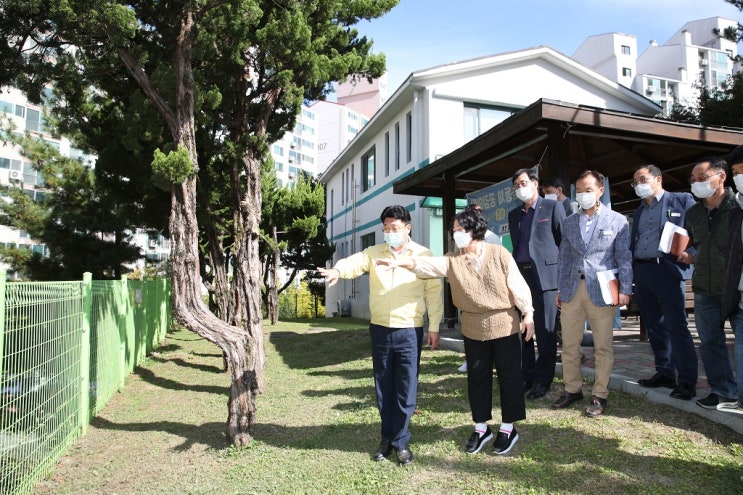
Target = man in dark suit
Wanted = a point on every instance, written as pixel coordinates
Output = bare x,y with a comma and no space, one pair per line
536,231
660,288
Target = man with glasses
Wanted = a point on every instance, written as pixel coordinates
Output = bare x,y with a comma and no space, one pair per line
660,287
536,231
707,223
397,301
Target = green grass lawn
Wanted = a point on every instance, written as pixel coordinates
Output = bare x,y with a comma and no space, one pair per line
318,425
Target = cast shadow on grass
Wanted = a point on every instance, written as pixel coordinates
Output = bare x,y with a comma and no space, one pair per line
548,459
159,381
314,350
187,364
628,406
210,434
168,348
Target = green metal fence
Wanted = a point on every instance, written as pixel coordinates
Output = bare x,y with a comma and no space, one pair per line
65,349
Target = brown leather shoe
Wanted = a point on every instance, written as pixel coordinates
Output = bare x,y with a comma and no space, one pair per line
566,399
596,407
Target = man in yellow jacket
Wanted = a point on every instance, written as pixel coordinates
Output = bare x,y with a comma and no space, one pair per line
397,302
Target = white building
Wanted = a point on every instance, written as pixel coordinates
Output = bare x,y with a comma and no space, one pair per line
434,112
15,170
297,150
667,73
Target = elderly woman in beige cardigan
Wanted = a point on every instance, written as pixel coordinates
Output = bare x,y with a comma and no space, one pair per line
487,287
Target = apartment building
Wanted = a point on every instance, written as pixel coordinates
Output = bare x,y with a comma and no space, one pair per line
17,171
434,112
667,74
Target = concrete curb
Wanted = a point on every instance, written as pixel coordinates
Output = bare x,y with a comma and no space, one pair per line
732,418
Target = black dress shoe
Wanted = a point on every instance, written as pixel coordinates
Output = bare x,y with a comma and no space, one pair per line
404,456
384,450
656,381
684,391
566,399
527,386
538,390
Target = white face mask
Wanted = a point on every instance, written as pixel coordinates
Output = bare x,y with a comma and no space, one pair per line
551,196
738,179
702,190
586,200
525,193
394,239
644,191
462,239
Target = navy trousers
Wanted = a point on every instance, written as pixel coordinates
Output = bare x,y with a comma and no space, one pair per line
661,297
395,356
541,368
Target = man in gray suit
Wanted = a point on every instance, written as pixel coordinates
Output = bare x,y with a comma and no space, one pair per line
593,241
536,230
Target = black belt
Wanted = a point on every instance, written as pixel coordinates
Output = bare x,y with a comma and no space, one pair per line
647,260
524,266
582,277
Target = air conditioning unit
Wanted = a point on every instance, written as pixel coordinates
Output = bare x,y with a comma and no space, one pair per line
650,90
703,62
153,243
291,160
15,175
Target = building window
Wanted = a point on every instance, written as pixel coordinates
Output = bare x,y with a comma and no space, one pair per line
718,60
408,137
386,154
352,130
368,172
368,240
626,72
397,146
278,166
478,119
34,120
625,50
278,150
6,107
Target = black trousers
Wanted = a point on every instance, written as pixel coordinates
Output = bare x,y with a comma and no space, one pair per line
505,355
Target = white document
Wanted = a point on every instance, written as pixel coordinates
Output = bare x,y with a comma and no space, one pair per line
671,230
609,284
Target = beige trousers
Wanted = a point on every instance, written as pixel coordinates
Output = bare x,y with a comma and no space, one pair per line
573,318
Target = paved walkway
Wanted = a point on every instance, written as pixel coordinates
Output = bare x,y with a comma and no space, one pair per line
633,360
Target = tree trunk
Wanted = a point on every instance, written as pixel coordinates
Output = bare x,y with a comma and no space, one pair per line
190,310
243,349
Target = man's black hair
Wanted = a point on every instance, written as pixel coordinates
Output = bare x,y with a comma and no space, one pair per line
396,212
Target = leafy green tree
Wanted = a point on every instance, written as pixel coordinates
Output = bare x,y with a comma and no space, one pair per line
297,211
245,65
82,229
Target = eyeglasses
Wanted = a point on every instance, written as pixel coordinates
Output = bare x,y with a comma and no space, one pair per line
703,179
523,183
643,180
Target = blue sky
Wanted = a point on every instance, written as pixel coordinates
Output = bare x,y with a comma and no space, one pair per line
418,34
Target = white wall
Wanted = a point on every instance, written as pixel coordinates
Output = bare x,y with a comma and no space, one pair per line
436,105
